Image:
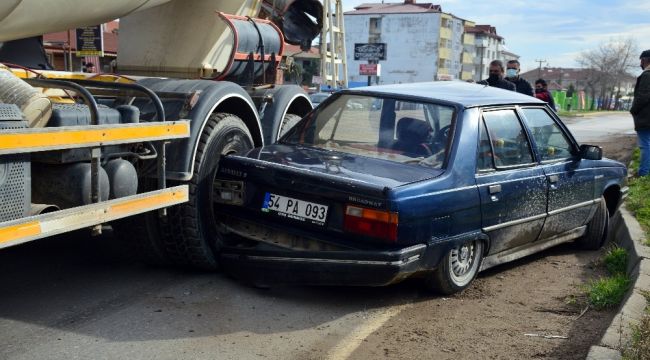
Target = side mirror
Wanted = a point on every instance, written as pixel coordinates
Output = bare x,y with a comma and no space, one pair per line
591,152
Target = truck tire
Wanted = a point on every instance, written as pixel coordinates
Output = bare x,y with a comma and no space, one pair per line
457,269
190,230
597,227
141,235
287,123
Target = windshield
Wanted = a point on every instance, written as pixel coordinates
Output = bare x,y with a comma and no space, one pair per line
384,128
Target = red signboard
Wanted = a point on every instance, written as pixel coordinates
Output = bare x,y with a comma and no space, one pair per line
370,69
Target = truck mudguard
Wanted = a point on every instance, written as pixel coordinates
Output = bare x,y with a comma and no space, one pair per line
196,100
275,103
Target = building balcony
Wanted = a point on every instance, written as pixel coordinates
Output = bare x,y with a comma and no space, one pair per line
468,58
466,75
445,33
444,53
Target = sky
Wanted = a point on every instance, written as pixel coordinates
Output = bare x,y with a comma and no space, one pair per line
552,30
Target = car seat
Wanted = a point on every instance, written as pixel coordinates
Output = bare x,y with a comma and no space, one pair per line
412,135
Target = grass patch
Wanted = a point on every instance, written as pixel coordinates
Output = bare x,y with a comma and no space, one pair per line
639,348
638,200
616,260
608,292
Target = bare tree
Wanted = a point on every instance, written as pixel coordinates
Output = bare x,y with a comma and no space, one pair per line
607,66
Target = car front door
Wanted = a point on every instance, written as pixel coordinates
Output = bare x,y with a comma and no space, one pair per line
511,183
570,183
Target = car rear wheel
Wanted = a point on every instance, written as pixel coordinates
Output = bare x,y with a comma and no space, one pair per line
596,233
457,269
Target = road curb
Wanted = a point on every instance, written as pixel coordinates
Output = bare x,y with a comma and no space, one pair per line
627,233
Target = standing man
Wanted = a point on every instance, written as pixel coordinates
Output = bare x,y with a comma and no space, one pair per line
512,75
496,77
640,111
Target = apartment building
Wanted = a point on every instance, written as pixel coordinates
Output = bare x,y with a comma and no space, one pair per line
421,43
489,46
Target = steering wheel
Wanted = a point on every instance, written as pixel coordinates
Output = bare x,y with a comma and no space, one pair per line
442,136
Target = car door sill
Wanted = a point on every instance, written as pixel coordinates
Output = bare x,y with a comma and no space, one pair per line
529,249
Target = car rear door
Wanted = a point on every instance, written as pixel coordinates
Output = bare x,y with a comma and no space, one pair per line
570,183
511,183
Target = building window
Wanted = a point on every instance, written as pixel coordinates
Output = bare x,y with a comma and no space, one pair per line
375,25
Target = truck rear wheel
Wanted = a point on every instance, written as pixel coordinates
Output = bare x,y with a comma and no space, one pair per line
189,231
141,233
287,123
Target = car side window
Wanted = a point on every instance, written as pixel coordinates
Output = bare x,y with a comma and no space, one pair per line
551,142
510,146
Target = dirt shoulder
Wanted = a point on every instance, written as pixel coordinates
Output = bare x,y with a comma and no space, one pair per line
490,320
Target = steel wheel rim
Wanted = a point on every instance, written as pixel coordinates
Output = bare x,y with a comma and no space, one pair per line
463,262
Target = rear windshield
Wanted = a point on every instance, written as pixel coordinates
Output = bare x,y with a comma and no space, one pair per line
391,129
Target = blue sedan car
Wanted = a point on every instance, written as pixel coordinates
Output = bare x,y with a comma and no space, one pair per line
439,180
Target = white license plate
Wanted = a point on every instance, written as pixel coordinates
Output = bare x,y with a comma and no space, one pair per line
295,209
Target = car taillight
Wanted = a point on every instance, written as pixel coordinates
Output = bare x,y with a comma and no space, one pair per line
371,222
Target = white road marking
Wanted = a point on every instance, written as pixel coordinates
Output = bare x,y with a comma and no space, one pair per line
350,343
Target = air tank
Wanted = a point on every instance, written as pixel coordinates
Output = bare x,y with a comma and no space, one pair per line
66,185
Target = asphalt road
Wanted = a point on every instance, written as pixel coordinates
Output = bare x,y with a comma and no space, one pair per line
77,297
601,127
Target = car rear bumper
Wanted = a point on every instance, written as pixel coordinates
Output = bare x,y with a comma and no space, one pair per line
354,268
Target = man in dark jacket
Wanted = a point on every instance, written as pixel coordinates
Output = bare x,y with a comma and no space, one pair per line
512,74
640,111
496,77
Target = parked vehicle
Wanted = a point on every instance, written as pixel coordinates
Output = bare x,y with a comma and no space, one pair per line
441,180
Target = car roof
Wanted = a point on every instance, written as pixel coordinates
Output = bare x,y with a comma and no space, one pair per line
461,93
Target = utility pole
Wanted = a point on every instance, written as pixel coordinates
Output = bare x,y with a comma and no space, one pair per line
539,69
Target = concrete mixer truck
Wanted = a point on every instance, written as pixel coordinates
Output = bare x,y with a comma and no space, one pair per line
139,148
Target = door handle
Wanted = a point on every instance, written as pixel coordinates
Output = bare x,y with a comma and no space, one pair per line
553,179
494,189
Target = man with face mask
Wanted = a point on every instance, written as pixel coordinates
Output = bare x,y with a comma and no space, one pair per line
496,77
640,111
512,75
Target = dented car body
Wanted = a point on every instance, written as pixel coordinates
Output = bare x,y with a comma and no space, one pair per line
438,179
